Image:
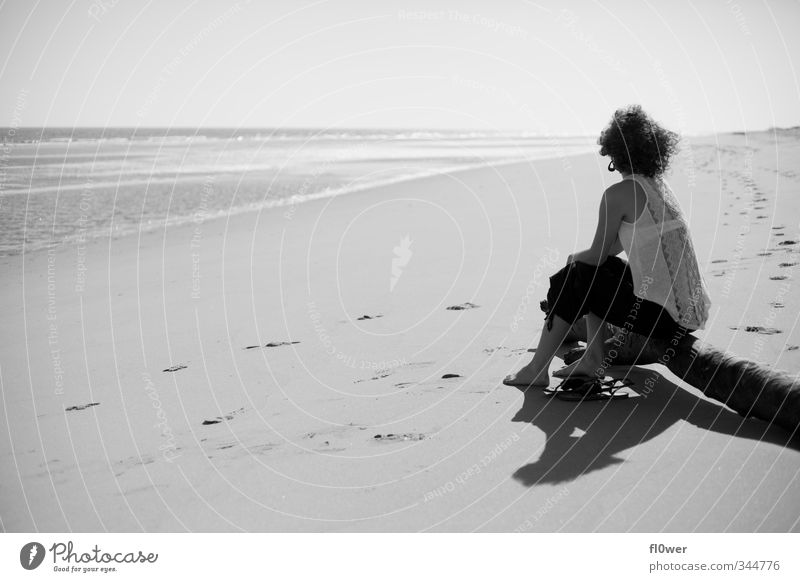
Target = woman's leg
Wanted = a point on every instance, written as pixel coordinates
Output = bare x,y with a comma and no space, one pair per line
589,364
611,295
536,373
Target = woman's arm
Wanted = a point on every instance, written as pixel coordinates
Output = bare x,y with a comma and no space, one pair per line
606,239
616,248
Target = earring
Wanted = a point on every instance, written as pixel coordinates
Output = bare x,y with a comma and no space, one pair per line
611,167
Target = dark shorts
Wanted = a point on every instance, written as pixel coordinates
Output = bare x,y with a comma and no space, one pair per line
607,291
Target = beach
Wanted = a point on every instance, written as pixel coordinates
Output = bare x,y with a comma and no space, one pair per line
335,364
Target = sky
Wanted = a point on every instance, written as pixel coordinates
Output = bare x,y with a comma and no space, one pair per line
698,67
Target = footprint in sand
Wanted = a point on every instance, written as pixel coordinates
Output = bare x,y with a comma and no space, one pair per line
786,243
759,329
511,351
787,264
272,345
778,278
365,317
391,437
446,376
386,373
82,406
777,304
229,416
720,261
792,348
463,306
124,465
404,384
238,450
262,448
376,377
778,227
175,368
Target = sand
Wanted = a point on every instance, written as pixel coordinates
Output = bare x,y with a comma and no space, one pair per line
285,370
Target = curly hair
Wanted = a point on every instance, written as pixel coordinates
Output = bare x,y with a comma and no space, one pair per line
636,143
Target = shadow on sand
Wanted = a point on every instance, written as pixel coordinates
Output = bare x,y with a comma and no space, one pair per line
614,426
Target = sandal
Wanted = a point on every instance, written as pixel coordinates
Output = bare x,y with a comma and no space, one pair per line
568,385
595,389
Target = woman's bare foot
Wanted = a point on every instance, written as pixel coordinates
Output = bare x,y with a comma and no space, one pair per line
528,377
583,366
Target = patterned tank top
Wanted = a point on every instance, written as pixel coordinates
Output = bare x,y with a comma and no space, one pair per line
662,258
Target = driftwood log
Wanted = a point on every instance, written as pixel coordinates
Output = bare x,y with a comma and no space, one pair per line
749,388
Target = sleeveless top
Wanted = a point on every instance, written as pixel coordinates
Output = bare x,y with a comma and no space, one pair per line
662,258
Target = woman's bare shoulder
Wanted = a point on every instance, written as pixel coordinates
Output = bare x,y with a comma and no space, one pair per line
629,196
621,191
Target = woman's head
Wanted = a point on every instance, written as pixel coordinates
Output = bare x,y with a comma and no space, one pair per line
636,143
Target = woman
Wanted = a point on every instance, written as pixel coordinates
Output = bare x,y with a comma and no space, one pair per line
659,292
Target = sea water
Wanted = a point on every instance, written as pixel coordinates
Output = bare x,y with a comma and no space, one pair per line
57,184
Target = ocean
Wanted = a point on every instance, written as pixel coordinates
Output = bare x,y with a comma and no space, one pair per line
59,185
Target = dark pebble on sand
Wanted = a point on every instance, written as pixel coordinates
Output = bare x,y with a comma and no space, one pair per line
787,243
466,305
446,376
82,406
229,416
759,329
399,437
778,277
272,345
787,264
175,368
363,317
